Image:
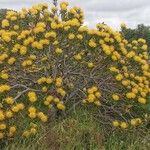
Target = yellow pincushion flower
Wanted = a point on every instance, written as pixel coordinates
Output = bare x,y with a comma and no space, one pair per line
125,82
61,106
49,80
32,97
32,115
139,121
56,100
91,98
46,103
66,28
5,23
1,135
44,118
90,91
94,88
4,76
135,121
33,130
15,109
39,46
11,60
41,80
13,18
134,90
32,109
61,91
115,123
97,103
3,56
39,30
49,98
58,51
130,95
98,94
78,57
26,134
142,100
123,125
20,106
44,89
6,38
33,125
114,58
9,100
2,126
90,65
63,6
12,129
4,88
92,43
28,63
9,114
23,50
33,57
140,40
119,77
115,97
145,67
79,36
71,36
16,27
130,54
53,25
144,47
114,69
50,35
58,82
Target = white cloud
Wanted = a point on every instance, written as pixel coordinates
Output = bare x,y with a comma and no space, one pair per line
112,12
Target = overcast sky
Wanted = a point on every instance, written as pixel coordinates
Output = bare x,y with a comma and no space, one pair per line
112,12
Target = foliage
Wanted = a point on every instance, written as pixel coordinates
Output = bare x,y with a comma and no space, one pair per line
50,61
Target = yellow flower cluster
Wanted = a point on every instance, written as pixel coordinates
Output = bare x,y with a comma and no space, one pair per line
5,23
58,82
124,125
93,96
31,131
11,130
32,97
33,113
63,6
9,100
51,99
18,107
6,129
47,80
115,97
4,76
4,88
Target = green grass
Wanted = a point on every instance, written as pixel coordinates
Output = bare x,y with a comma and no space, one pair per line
82,131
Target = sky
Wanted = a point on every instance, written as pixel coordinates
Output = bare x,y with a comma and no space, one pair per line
112,12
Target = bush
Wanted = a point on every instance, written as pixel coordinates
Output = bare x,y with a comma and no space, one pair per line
50,61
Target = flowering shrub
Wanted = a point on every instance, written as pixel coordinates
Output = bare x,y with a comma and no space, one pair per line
48,59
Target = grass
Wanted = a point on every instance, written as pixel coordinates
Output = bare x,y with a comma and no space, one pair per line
82,131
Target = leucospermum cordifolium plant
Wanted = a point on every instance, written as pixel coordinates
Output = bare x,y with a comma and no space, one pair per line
49,59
